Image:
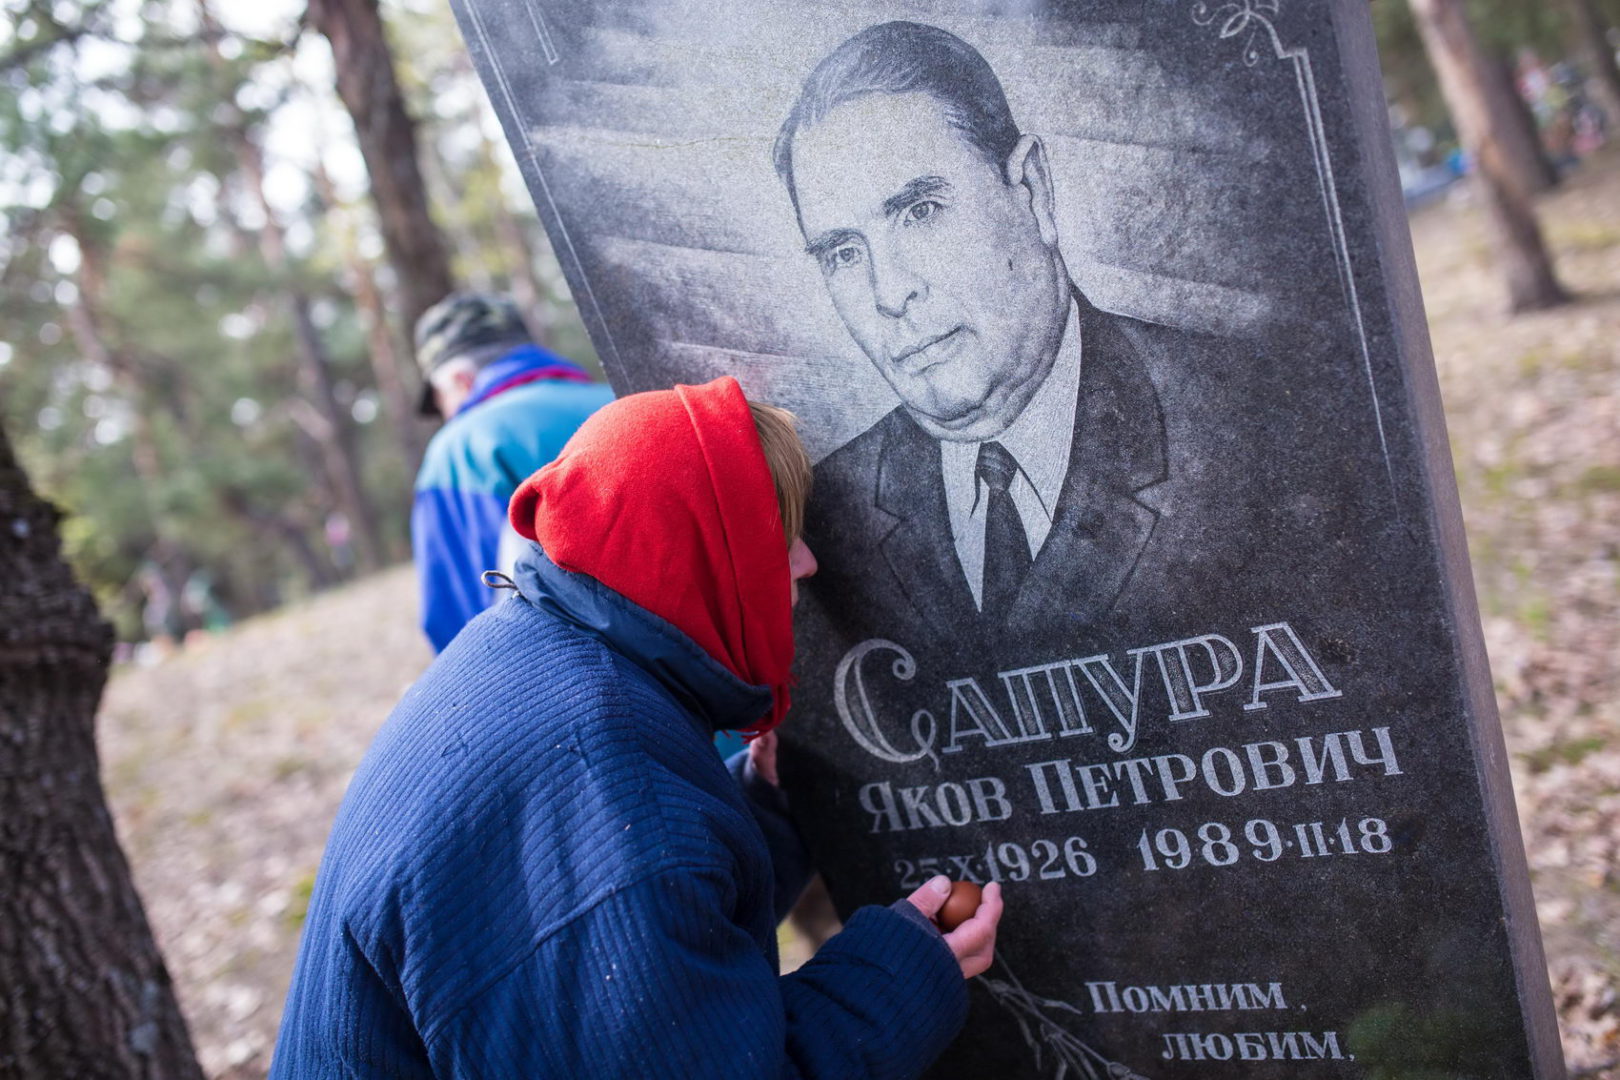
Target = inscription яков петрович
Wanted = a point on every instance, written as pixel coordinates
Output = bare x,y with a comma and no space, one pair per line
1142,587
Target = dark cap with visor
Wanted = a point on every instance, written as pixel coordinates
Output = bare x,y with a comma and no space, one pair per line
464,324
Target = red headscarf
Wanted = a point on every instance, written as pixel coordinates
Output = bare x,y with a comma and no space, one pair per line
665,498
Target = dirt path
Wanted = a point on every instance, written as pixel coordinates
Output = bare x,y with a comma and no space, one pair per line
226,763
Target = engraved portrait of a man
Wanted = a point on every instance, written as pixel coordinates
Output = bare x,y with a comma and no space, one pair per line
1008,488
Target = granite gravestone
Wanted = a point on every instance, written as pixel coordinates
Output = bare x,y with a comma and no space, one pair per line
1143,585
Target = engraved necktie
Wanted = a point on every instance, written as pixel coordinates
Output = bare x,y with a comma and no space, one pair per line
1006,545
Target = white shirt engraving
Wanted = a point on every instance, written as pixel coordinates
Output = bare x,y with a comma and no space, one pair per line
1039,440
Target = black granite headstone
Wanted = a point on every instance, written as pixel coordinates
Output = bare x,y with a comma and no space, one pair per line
1143,588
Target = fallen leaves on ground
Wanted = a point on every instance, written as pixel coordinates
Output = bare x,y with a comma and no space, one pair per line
1533,407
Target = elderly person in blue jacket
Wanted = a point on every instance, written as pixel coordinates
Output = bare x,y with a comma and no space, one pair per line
509,406
542,869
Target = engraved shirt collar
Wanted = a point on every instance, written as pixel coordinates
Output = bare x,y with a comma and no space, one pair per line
1040,441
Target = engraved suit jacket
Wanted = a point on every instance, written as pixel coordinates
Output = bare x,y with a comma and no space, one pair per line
1159,515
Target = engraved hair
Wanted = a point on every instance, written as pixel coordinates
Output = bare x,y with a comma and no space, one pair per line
789,464
906,58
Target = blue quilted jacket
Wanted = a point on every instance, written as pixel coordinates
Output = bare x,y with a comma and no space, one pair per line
542,869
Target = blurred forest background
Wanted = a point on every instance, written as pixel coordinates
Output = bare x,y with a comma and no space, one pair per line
205,297
204,321
218,219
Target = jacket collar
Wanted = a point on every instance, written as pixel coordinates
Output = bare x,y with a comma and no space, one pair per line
515,364
706,689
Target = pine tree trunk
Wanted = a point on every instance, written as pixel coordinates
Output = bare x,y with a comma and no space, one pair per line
83,989
371,94
386,366
1522,144
1521,253
1591,39
336,436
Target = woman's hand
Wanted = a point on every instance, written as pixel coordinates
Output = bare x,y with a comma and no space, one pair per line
762,756
974,942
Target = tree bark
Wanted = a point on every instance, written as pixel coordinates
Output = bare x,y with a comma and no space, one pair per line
1521,253
1526,153
386,364
1591,39
83,988
336,437
387,133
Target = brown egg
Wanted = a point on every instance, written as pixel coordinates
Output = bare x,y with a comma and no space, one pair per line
959,906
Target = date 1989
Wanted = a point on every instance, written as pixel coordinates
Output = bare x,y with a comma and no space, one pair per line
1172,849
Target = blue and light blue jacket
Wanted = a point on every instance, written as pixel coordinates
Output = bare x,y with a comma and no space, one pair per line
542,869
507,429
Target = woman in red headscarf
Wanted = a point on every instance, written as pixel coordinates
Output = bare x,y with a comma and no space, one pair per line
542,868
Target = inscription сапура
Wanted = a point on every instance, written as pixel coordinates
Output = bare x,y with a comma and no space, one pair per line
1142,587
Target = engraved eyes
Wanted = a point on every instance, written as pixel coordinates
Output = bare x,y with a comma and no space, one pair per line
852,253
921,211
845,255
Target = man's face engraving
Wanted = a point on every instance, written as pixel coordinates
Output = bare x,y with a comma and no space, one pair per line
946,273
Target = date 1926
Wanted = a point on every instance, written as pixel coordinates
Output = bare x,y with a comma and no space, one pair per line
1041,860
